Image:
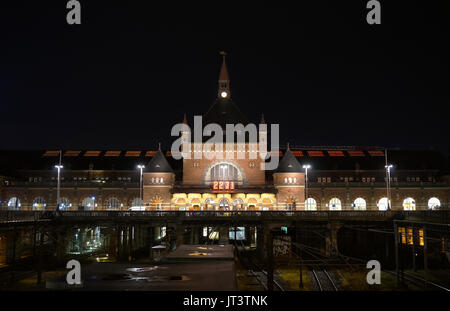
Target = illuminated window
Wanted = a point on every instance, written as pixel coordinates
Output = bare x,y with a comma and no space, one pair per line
64,204
310,204
434,203
295,180
382,204
335,204
409,204
112,204
285,180
359,204
137,202
39,204
402,235
14,203
223,171
410,236
88,203
290,180
421,237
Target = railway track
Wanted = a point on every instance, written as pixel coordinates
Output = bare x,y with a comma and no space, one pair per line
256,270
418,281
323,280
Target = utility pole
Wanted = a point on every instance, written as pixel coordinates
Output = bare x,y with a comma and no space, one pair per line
58,185
270,262
396,251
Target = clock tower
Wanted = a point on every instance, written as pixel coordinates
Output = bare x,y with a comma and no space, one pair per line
224,80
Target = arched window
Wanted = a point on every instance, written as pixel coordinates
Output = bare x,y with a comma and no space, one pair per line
409,204
64,204
290,180
39,204
285,180
434,203
14,204
310,204
137,202
382,204
88,203
223,171
359,204
112,204
335,204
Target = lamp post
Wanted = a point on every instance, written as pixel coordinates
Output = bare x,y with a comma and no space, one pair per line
58,185
388,185
224,167
306,167
141,167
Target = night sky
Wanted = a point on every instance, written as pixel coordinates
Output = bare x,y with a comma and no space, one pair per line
130,71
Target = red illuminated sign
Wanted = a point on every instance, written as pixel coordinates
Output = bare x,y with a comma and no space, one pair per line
223,186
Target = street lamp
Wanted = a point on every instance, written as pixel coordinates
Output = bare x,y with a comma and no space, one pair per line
141,167
306,167
58,167
93,203
388,184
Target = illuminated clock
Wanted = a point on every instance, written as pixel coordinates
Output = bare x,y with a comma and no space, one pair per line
224,94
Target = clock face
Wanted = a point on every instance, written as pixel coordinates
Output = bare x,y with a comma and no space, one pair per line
223,94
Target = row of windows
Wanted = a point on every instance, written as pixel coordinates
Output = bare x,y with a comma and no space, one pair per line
113,203
39,179
290,180
89,203
157,180
371,179
409,204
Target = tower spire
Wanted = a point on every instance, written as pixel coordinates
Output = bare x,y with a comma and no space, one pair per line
224,79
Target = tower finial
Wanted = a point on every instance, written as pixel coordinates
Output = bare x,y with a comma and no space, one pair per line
288,148
185,119
159,146
262,119
224,78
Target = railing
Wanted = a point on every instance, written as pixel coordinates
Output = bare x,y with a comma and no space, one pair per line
21,216
30,216
258,214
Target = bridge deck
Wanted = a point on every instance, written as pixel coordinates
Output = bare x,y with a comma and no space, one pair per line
18,217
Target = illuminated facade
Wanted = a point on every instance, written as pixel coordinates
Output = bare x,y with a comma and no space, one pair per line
340,178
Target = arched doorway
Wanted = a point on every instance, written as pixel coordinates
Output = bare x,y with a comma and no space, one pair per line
195,205
157,203
238,204
224,205
210,204
267,204
252,204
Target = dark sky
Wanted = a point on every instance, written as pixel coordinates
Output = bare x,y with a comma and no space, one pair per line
130,71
